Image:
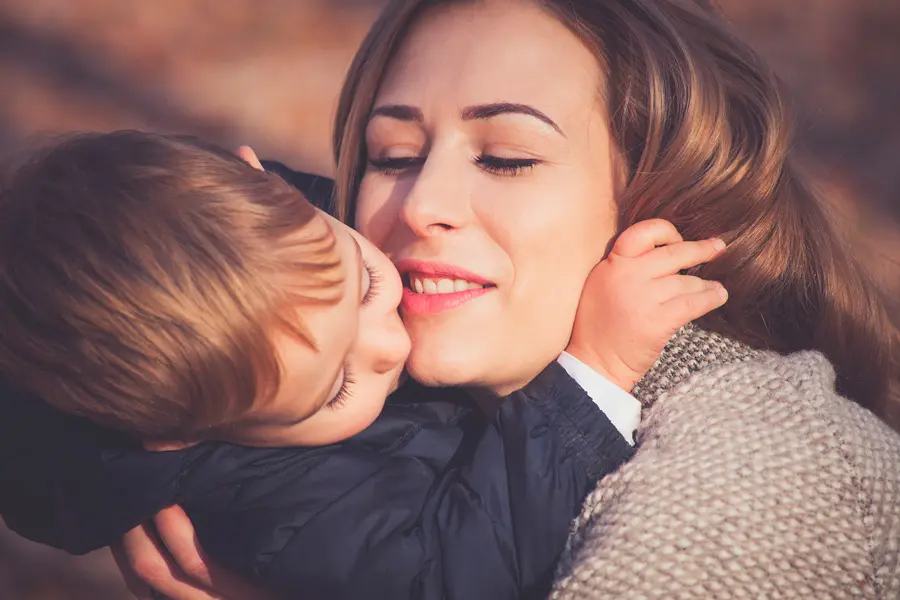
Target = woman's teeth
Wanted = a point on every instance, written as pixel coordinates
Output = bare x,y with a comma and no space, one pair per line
430,285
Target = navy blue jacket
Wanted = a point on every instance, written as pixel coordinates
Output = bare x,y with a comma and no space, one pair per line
434,500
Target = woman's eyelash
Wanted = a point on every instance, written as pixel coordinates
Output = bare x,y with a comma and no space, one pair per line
395,166
505,166
374,283
492,164
346,391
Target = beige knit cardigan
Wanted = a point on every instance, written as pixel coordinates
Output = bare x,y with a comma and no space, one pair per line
753,479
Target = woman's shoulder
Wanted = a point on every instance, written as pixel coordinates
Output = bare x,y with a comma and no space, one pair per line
771,395
786,409
748,474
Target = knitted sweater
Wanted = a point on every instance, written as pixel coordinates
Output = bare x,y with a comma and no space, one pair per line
753,479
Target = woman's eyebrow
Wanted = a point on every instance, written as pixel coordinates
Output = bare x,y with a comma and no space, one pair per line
405,112
401,112
487,111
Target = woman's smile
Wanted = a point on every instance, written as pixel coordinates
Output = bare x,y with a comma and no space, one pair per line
431,288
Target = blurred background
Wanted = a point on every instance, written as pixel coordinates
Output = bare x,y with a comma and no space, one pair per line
267,73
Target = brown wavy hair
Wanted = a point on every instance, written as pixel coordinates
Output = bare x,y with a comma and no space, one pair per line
703,133
141,276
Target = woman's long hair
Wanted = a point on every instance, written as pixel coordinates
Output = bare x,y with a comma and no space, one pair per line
703,135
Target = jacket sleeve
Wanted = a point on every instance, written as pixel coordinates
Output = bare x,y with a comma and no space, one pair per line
317,189
489,522
754,480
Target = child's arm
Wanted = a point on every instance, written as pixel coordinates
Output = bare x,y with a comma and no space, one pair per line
636,299
489,523
475,510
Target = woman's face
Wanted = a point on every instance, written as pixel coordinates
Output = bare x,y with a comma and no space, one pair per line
489,184
336,390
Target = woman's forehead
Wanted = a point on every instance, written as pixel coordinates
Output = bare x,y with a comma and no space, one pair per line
501,51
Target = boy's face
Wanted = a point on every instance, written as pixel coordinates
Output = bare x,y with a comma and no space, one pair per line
337,390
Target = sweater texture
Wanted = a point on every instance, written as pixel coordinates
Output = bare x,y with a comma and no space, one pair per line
753,479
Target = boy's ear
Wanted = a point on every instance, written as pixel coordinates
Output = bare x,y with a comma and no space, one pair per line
249,156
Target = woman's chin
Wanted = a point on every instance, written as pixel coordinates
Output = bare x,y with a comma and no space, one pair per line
440,370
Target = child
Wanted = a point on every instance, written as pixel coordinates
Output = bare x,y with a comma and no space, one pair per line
207,338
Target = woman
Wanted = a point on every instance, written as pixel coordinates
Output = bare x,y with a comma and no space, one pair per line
513,139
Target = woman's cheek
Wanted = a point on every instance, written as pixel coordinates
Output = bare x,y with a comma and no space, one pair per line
368,205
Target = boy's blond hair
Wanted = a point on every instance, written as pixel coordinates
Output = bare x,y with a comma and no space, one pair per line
141,277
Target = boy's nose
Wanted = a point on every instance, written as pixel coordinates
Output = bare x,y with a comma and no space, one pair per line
393,348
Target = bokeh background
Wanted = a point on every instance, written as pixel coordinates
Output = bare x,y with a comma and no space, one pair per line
267,73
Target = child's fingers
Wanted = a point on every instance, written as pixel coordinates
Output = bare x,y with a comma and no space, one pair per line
150,571
683,309
673,258
247,154
138,588
667,288
645,236
177,532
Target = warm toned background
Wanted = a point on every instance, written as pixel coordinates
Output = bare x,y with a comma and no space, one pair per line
267,72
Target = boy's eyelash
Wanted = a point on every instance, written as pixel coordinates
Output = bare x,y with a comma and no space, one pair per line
492,164
346,391
374,283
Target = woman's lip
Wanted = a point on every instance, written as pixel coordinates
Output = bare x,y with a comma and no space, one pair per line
430,304
438,270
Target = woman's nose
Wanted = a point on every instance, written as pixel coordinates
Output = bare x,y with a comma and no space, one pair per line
436,202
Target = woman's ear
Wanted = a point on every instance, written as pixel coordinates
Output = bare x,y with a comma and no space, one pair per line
620,182
247,154
619,170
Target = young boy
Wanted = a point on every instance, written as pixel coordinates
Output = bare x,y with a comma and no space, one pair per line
180,328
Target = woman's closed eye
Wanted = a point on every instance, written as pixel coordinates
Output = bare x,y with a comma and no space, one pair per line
494,165
498,165
396,165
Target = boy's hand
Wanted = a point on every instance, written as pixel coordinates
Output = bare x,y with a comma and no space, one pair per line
635,300
169,563
247,154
